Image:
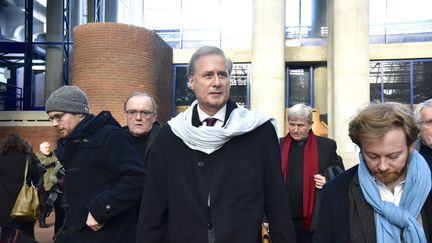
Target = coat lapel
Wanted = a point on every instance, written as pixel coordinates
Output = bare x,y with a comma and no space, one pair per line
362,219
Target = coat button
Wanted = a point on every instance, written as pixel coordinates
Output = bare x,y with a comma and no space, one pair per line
200,164
108,206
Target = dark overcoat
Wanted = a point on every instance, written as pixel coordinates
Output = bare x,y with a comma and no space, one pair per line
345,216
104,176
244,181
327,157
144,148
12,167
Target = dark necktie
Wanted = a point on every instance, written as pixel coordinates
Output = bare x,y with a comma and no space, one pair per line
211,121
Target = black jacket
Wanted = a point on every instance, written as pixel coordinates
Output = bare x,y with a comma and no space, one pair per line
104,176
12,167
327,157
143,147
243,177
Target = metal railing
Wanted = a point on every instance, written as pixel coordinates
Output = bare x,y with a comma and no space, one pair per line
11,97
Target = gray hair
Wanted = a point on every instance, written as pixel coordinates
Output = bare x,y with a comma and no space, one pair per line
300,112
417,113
141,94
204,51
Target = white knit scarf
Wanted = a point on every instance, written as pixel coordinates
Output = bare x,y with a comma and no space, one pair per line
210,139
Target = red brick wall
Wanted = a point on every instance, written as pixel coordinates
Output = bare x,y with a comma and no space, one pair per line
112,60
34,135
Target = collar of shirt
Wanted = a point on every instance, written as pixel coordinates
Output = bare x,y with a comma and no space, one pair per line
387,195
220,115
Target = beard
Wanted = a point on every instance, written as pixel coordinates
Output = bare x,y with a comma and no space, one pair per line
388,178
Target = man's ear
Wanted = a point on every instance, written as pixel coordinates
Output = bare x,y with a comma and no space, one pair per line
191,84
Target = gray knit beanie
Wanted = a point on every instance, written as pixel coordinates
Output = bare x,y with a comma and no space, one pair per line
67,99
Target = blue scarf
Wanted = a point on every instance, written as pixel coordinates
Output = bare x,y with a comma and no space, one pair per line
389,218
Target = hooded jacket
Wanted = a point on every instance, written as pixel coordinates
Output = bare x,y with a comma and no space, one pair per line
104,176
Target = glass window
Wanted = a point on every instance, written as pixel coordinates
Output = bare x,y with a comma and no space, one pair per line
422,81
375,82
406,82
183,95
396,79
240,84
306,22
399,21
12,21
193,23
299,86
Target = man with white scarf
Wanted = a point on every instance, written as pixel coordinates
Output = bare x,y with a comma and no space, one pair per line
386,198
214,170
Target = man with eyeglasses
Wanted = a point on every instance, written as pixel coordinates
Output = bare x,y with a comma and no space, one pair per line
423,117
140,111
104,174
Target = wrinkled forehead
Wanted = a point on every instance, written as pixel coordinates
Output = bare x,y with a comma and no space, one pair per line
299,121
210,61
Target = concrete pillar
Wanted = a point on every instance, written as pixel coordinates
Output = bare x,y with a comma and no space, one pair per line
349,75
77,12
54,53
268,61
111,9
320,88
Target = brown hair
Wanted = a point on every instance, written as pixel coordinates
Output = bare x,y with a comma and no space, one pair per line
375,120
13,142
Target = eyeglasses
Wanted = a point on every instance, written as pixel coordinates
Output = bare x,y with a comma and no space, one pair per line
427,123
133,113
57,117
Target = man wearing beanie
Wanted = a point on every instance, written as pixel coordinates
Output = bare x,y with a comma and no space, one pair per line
104,175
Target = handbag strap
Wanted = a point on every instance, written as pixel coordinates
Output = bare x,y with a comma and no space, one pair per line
26,170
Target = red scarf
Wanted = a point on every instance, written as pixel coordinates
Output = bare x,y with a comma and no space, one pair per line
310,168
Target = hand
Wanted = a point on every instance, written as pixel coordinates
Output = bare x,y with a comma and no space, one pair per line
266,225
92,223
320,181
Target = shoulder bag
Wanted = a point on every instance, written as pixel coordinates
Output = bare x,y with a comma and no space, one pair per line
26,205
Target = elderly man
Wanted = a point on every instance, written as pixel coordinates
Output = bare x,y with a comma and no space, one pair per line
104,174
305,160
48,161
423,117
214,170
140,111
386,198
